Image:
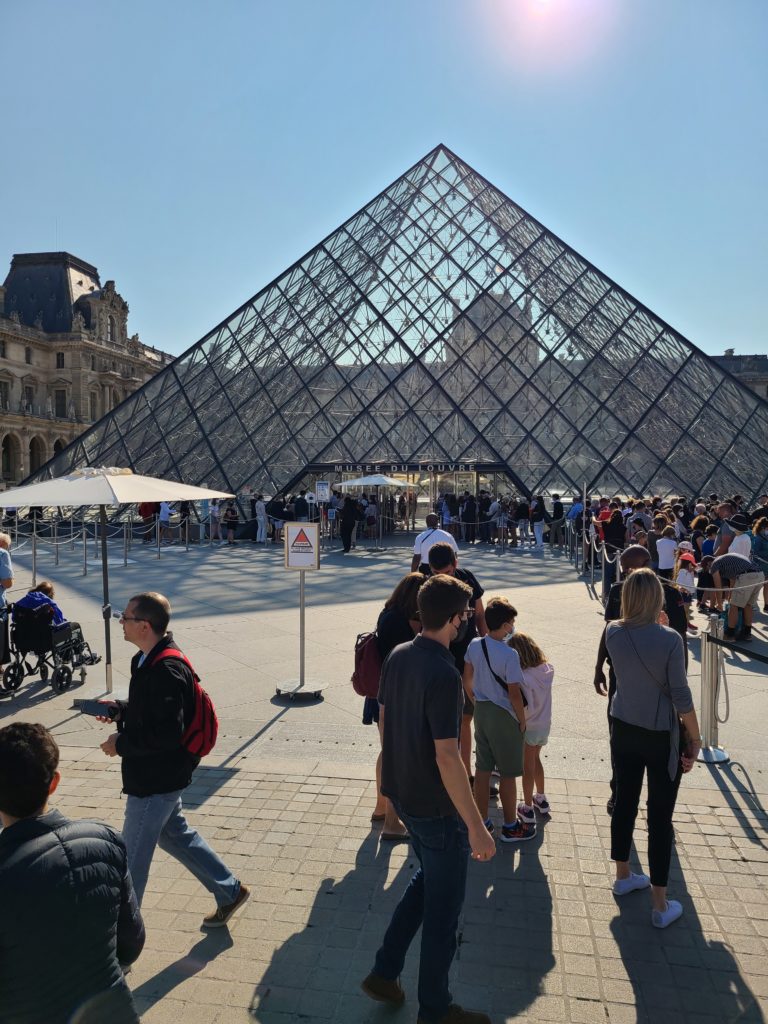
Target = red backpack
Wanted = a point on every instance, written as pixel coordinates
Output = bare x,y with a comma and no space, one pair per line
200,735
365,678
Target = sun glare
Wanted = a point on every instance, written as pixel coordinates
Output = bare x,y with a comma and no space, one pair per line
549,35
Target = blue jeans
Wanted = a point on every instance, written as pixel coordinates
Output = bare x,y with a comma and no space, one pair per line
433,899
158,820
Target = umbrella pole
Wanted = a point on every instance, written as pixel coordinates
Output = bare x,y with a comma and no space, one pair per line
106,609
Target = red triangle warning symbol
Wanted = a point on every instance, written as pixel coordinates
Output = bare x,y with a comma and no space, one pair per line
301,542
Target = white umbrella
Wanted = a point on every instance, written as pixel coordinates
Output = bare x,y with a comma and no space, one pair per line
104,486
375,480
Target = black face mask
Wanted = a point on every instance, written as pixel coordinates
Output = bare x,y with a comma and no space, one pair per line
462,631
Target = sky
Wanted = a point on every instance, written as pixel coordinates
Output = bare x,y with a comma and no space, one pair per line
193,150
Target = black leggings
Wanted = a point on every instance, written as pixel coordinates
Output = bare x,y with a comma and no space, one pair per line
636,751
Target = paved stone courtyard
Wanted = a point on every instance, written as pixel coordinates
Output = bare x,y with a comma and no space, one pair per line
286,798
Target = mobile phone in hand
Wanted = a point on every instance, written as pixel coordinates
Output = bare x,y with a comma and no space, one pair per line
95,708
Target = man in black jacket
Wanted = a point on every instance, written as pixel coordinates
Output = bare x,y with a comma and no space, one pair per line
69,913
156,766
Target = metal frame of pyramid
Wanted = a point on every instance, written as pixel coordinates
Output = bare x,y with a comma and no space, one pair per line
441,324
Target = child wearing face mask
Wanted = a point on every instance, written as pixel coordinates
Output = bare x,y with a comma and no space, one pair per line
538,675
492,679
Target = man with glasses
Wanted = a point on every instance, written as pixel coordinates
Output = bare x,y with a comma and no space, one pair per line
156,766
420,699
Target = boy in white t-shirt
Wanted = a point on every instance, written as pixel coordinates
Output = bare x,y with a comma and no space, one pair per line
492,679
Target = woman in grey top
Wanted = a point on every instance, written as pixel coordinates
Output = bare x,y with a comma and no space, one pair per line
652,694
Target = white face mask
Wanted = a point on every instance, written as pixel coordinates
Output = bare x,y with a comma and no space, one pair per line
509,634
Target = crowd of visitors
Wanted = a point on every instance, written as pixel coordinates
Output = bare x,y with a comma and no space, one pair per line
463,698
713,551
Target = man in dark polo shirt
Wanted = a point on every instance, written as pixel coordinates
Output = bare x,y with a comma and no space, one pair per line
635,557
422,774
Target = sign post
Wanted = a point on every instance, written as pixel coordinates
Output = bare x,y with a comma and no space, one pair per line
302,553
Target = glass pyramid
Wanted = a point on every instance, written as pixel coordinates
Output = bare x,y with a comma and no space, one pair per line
441,323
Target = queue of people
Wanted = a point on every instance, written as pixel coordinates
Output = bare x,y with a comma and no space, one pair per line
456,677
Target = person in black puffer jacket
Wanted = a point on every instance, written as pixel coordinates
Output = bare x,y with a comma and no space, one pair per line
69,913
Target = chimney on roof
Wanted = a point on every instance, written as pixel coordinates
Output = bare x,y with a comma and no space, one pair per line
729,353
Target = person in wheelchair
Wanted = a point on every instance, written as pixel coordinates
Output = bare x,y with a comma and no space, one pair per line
39,597
40,629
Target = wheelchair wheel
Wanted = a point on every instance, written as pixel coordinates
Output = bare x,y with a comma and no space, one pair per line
61,679
43,672
13,676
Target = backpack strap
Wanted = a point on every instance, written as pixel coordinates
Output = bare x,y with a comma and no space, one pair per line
171,652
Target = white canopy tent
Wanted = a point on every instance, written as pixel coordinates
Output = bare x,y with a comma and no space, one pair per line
375,480
103,486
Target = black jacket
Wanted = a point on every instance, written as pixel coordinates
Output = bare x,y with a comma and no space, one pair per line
160,705
69,913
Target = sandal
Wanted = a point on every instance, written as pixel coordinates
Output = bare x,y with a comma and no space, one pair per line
378,817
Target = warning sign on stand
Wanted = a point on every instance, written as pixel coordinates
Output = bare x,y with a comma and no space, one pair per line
302,546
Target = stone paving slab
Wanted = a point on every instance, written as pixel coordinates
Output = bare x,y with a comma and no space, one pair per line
542,937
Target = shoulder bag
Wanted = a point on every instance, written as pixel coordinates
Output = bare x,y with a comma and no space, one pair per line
498,678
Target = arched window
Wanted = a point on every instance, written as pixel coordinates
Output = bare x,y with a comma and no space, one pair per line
111,329
36,454
59,446
11,457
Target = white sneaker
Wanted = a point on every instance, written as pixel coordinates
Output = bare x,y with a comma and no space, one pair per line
623,886
664,918
526,814
541,803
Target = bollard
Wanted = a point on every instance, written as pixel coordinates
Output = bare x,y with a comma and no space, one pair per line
56,542
85,550
125,544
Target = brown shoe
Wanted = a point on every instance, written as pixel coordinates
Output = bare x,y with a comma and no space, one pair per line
221,915
383,990
457,1015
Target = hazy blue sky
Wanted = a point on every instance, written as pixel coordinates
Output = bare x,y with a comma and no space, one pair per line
193,150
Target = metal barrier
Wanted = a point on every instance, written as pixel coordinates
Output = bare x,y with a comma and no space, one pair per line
578,543
713,682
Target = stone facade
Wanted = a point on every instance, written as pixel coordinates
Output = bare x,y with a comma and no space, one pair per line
66,357
752,371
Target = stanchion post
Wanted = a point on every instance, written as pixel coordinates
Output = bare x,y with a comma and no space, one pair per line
157,532
72,532
602,573
56,542
186,531
301,627
125,544
96,540
711,654
34,555
85,550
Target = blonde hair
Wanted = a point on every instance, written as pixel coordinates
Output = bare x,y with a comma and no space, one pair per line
642,598
5,540
528,650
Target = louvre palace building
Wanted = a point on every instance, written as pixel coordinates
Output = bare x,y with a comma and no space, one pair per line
442,336
66,358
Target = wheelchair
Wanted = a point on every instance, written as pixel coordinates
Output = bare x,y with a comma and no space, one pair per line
59,650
